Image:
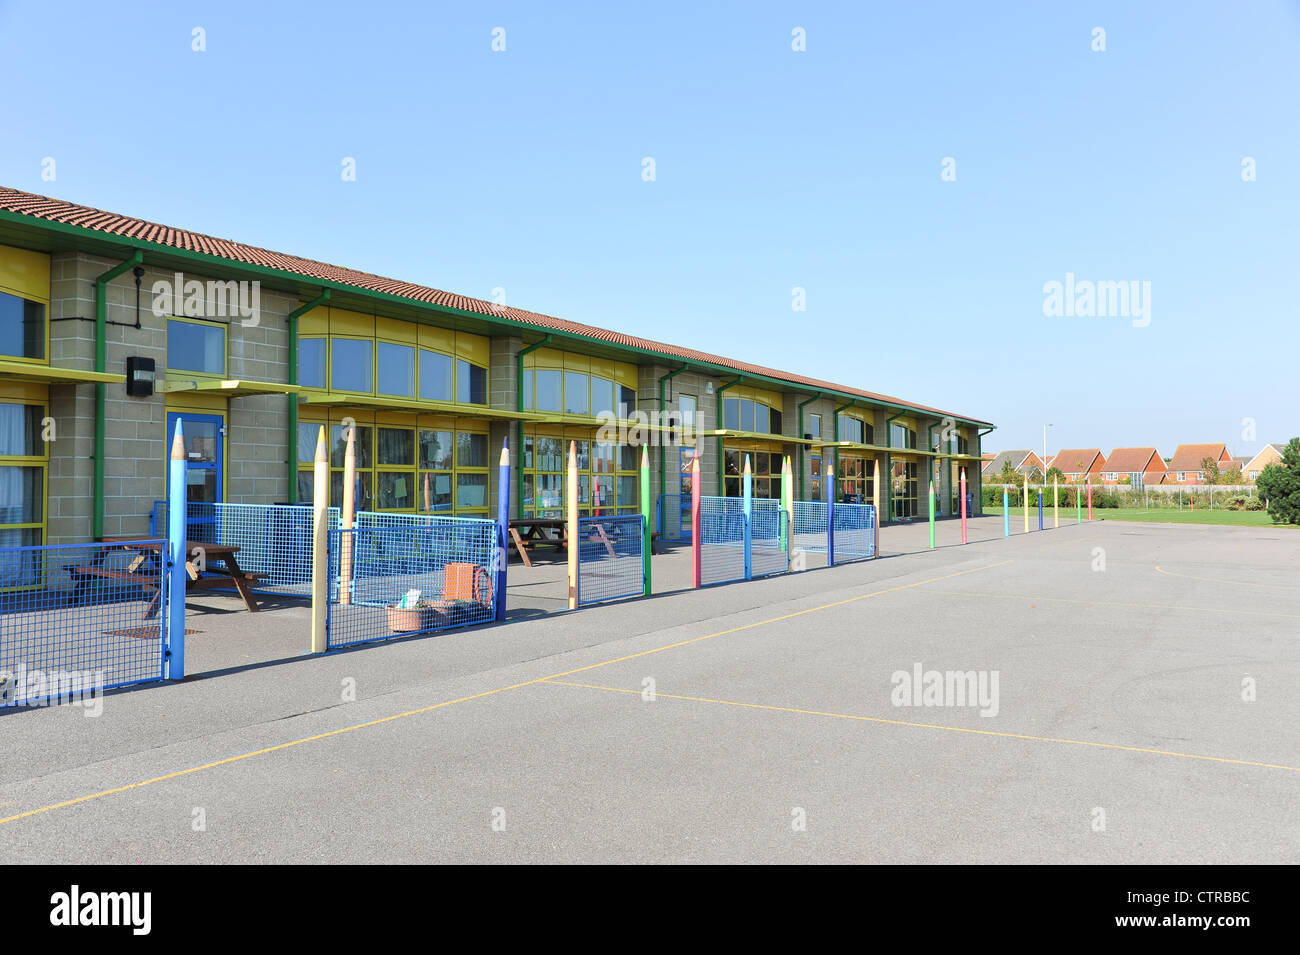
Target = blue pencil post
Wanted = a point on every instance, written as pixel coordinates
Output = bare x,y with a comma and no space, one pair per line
830,515
176,507
1040,510
748,505
503,528
1006,513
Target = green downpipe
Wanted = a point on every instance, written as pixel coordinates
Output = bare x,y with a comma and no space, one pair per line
978,473
296,314
803,448
101,390
663,449
889,461
519,427
722,465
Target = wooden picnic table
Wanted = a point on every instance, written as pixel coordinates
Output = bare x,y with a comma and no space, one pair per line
149,553
551,532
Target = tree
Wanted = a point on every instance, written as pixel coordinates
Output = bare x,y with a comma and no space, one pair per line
1209,471
1009,474
1231,476
1056,474
1280,486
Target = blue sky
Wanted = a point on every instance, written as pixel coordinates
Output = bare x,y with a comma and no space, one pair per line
774,169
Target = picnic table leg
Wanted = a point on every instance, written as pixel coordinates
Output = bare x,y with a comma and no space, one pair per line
241,584
519,546
151,611
600,532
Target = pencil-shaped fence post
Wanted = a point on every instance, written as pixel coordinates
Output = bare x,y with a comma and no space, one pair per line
320,588
177,552
647,516
785,486
1056,502
963,505
572,495
830,515
931,515
1006,513
1040,509
747,507
348,518
1089,498
1078,505
695,518
503,528
1024,502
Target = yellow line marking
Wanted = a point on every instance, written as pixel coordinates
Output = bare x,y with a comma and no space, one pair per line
935,726
476,696
1221,580
1116,603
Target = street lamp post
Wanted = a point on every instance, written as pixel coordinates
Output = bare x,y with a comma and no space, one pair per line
1045,427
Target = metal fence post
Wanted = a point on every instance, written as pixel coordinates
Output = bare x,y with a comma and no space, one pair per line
573,524
747,483
320,589
830,515
695,518
503,528
646,586
1006,513
176,552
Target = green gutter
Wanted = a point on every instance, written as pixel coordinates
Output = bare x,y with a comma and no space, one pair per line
101,391
297,313
519,428
663,453
285,280
722,469
803,448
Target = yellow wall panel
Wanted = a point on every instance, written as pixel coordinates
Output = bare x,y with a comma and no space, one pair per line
602,368
392,330
26,273
437,339
625,374
473,348
344,322
315,322
544,358
28,391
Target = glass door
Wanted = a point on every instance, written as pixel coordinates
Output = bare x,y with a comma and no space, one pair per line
204,447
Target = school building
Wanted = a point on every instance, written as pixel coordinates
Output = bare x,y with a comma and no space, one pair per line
112,328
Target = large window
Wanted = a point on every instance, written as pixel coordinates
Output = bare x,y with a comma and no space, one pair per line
569,383
351,365
396,370
22,327
23,460
742,414
904,489
854,482
471,383
853,428
435,376
198,347
402,467
814,426
608,482
901,436
312,362
765,471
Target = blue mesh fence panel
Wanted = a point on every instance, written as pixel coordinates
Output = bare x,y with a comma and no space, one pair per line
274,540
450,561
855,532
769,524
809,530
675,517
722,540
75,618
609,558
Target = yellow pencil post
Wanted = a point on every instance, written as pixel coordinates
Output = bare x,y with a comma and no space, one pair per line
319,560
348,517
875,500
1025,502
573,525
1056,502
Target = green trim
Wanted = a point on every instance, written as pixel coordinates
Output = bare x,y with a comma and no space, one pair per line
519,429
802,468
297,313
663,448
717,395
101,390
292,281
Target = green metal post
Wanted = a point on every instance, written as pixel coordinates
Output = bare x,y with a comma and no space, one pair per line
645,513
101,390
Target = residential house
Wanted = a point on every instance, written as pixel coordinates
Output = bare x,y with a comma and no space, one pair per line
1185,466
1141,466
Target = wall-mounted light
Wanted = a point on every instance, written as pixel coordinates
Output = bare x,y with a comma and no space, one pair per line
139,376
708,387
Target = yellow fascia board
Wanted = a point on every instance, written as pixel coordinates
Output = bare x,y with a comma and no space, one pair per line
27,371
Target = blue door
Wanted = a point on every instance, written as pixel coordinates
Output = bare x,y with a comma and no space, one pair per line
204,450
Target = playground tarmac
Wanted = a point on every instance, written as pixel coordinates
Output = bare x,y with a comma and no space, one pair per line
1138,684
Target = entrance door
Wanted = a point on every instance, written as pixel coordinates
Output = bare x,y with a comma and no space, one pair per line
204,448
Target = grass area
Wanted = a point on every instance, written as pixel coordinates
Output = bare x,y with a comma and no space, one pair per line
1165,515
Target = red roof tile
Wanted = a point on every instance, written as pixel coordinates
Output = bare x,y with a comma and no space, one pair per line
57,210
1130,460
1188,457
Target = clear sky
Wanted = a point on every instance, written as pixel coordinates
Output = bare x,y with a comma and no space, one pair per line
774,169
